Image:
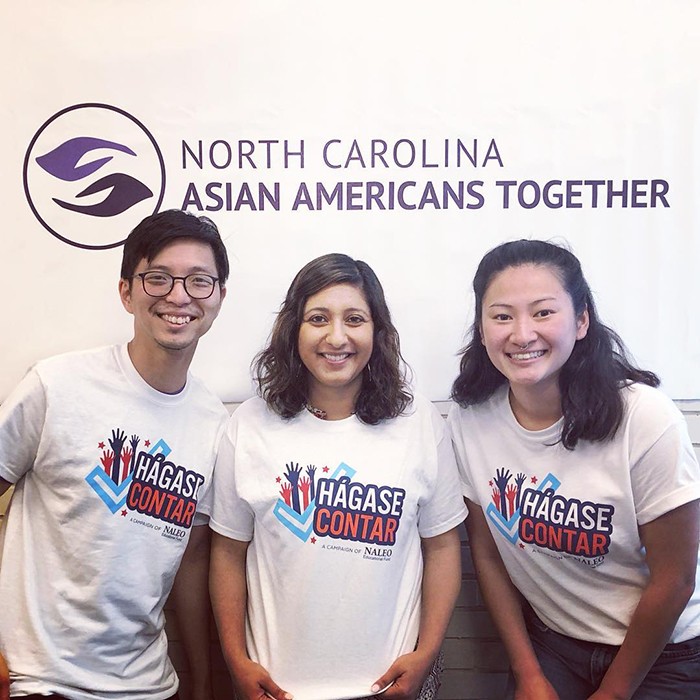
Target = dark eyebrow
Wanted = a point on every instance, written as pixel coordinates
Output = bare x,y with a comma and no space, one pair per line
345,311
192,270
532,303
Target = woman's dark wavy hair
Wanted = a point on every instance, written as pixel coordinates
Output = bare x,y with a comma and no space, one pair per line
281,375
597,368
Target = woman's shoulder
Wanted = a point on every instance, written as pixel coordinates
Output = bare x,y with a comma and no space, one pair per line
422,408
647,405
484,411
252,409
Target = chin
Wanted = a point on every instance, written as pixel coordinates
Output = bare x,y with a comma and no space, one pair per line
176,346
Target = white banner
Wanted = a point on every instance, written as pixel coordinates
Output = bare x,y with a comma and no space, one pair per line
414,136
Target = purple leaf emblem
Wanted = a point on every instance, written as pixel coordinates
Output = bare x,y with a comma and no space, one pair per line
62,161
125,191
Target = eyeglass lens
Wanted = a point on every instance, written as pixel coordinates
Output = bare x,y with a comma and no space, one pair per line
160,284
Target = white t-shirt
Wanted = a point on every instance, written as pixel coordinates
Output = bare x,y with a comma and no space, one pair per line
566,522
335,512
92,541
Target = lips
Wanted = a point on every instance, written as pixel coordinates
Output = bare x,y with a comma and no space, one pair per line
526,355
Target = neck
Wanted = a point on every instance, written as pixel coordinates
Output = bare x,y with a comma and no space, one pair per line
164,370
337,403
536,410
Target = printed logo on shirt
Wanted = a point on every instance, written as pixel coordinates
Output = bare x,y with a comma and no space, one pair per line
334,506
530,512
144,481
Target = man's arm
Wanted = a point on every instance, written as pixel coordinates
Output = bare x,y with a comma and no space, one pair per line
4,679
4,671
21,422
442,578
190,594
229,595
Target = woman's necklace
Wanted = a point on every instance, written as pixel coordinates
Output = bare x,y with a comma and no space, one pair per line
318,412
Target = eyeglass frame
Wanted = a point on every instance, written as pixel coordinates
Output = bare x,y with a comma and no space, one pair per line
142,276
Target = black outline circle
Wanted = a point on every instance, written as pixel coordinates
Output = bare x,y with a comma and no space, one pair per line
84,105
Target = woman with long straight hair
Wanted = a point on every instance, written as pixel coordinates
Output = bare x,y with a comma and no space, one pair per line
582,488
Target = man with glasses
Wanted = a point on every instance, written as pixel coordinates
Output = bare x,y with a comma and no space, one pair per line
111,453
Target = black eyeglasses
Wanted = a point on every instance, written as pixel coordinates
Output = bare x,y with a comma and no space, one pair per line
160,284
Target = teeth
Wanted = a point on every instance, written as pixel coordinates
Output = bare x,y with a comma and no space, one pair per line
177,320
527,355
337,357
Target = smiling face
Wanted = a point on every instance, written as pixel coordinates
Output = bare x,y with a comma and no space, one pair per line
336,338
173,323
529,327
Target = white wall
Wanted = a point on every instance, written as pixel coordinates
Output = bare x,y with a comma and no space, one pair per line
548,90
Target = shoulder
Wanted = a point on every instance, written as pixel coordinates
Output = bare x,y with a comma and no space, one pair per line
254,420
420,409
421,418
254,411
651,418
647,406
251,408
206,399
483,413
68,364
420,405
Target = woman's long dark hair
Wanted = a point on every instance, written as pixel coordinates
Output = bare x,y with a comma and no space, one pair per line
281,375
599,364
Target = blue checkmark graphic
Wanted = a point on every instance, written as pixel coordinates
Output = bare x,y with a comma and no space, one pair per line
302,524
509,527
113,496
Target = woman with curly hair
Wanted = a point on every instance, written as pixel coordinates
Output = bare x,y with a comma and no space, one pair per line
336,560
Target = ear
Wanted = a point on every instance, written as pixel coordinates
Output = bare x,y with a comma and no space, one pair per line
125,294
222,296
481,333
582,325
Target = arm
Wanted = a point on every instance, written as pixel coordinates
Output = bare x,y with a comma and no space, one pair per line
229,597
4,671
504,604
22,416
4,679
442,578
671,543
191,598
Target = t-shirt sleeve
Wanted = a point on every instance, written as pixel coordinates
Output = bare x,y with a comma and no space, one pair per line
230,514
456,427
445,509
664,470
204,502
22,417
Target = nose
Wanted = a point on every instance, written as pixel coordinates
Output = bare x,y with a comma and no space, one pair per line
523,332
178,294
336,334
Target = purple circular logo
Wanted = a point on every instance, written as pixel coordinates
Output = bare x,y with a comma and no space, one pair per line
91,173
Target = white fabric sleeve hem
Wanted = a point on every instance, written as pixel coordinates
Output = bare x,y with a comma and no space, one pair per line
228,532
446,526
686,494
